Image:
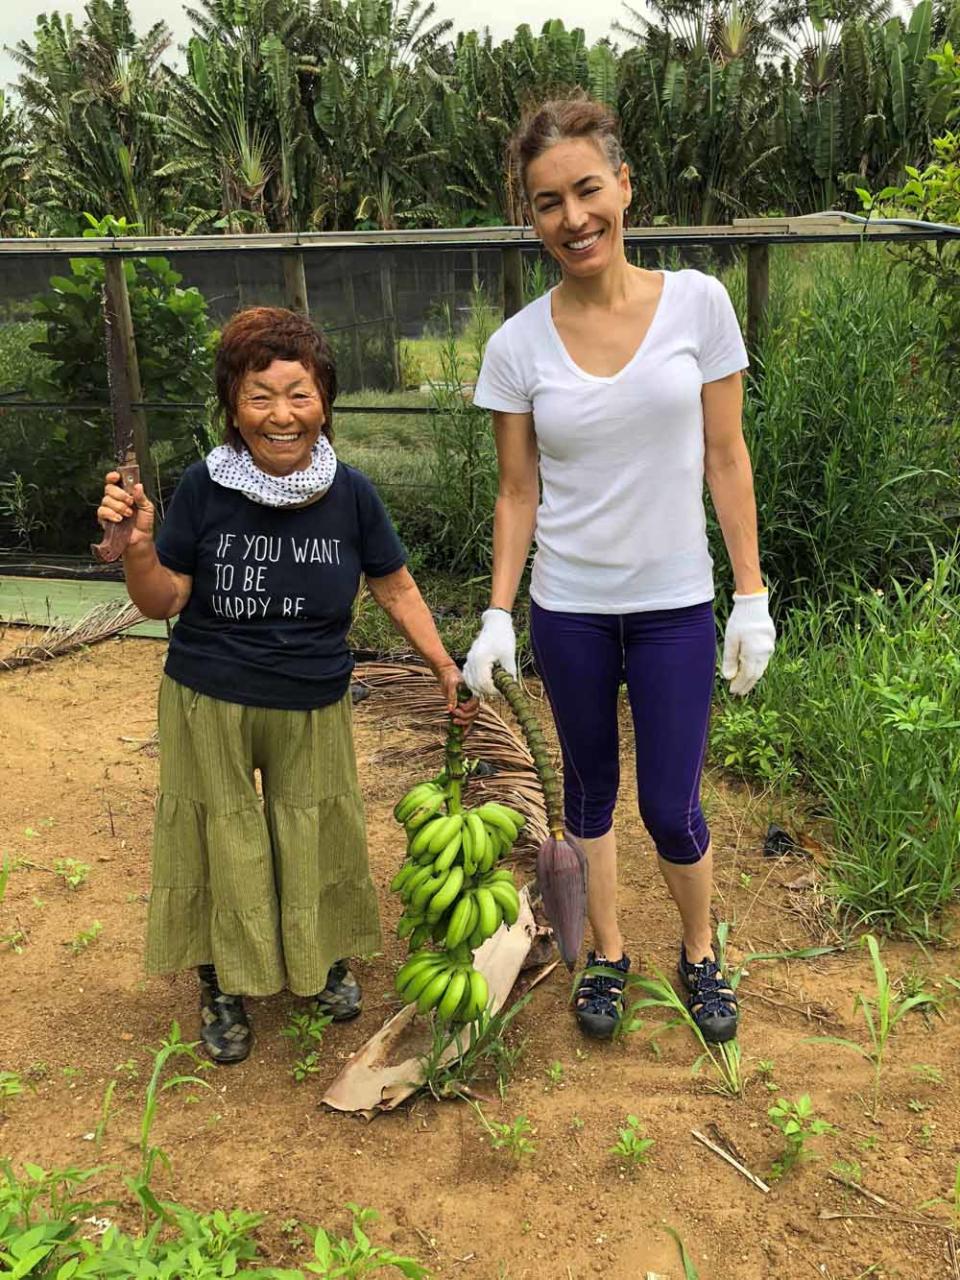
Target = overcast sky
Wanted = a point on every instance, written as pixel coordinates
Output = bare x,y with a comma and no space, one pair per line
502,16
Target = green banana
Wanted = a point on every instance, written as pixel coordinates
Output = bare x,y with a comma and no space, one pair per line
453,995
478,838
444,896
407,924
507,898
466,847
414,797
431,994
447,855
493,816
516,817
413,987
415,969
402,876
459,925
475,997
425,891
417,845
415,880
489,922
444,831
425,811
413,963
420,935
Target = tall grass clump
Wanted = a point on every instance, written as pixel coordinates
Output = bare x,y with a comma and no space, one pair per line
854,449
866,692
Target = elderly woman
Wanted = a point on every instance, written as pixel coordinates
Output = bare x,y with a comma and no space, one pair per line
260,556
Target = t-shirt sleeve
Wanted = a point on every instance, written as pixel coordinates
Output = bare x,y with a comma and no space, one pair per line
179,534
381,551
722,349
499,385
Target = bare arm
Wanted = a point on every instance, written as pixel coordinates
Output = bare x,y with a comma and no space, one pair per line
399,596
515,512
157,592
729,478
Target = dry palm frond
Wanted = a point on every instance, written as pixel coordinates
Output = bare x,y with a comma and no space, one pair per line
102,622
411,692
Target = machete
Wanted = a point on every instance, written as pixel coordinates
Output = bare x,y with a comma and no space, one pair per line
116,536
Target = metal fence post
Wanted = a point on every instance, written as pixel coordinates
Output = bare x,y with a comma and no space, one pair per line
758,292
124,368
512,276
295,283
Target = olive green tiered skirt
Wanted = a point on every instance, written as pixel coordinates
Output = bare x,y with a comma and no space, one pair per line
271,891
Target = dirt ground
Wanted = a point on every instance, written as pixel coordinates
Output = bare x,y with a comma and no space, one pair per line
78,783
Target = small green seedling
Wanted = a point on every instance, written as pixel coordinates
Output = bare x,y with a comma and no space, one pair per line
848,1170
306,1067
71,872
927,1073
16,940
5,869
952,1201
746,879
576,1123
881,1013
765,1069
631,1144
554,1075
926,1133
798,1124
10,1085
513,1138
127,1071
85,938
306,1031
916,1106
71,1073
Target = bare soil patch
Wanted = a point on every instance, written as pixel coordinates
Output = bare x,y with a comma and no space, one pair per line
79,780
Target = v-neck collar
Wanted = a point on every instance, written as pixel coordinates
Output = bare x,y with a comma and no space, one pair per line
644,341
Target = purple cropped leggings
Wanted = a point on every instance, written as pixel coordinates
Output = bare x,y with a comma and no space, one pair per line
667,659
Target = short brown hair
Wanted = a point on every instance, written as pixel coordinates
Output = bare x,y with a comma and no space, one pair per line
559,119
251,340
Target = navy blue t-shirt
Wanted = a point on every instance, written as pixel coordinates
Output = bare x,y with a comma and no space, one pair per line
267,620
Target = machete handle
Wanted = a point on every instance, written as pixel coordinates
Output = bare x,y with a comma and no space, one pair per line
116,536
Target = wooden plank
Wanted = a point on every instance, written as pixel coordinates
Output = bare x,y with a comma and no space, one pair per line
512,269
42,602
295,284
758,292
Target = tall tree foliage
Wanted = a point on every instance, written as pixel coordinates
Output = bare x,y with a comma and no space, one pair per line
94,99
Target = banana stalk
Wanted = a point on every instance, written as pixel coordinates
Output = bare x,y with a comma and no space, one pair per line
561,864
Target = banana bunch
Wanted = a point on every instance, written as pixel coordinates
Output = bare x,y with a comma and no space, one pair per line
453,892
445,981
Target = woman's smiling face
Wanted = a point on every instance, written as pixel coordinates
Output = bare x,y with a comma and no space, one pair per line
578,203
280,414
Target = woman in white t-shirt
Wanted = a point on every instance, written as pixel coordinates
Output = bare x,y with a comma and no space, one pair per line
622,388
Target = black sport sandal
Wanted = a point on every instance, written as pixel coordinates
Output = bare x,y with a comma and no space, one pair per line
598,999
341,998
224,1028
712,1004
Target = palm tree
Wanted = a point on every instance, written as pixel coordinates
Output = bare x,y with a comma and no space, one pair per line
13,164
94,99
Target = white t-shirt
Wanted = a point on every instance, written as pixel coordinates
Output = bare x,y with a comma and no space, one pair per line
621,526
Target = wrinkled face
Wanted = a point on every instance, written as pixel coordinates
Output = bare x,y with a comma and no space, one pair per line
578,203
279,414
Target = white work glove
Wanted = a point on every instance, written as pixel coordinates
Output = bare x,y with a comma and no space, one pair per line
748,641
495,643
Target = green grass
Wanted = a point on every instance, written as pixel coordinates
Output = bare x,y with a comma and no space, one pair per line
866,693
